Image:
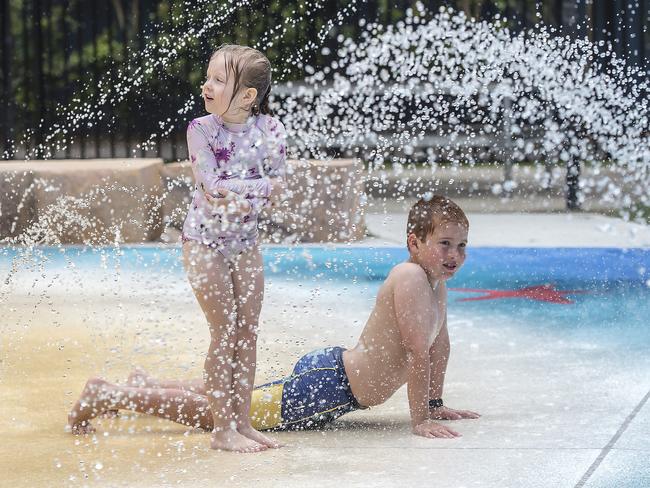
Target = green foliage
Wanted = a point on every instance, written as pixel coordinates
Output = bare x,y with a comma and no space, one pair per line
641,214
89,47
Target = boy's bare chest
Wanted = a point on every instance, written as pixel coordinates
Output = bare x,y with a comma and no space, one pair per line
383,323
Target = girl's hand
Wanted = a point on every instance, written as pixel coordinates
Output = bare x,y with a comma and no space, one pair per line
229,202
278,191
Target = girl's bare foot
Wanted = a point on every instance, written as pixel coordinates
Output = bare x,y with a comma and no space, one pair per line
81,428
231,440
87,407
113,413
138,377
258,437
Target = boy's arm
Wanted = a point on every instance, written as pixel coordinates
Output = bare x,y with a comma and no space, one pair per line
414,313
438,359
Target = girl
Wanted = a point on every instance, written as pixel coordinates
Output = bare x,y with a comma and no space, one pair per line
237,154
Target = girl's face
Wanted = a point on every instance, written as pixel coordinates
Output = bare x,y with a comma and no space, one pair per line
217,89
217,92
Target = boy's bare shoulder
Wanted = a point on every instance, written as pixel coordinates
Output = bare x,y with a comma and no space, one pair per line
408,274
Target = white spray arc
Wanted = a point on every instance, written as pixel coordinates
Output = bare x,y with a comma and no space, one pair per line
401,82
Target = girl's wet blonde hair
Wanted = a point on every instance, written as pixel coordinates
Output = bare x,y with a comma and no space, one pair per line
251,69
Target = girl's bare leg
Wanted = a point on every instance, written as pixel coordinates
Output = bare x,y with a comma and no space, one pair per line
248,283
98,396
210,276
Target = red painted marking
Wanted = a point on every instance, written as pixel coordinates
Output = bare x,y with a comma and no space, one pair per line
541,293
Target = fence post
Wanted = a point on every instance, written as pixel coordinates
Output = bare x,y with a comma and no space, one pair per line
66,49
573,183
507,146
82,132
634,26
7,88
38,61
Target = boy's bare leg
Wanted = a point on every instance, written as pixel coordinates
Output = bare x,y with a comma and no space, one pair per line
98,396
211,280
248,283
140,377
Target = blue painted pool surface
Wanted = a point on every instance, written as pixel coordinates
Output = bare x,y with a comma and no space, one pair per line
613,285
488,265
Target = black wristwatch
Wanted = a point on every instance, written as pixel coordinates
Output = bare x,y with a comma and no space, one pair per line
435,403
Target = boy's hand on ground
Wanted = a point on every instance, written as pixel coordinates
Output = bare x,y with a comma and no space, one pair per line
446,413
433,430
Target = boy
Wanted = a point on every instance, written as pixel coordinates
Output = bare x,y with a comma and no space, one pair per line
404,341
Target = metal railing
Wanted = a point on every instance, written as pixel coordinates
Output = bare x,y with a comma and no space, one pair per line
56,53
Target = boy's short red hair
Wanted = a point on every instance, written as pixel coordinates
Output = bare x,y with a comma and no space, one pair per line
431,211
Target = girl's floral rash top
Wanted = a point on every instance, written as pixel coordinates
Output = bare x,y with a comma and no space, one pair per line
237,157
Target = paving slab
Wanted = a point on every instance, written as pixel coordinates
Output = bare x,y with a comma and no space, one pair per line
624,460
635,436
550,403
622,469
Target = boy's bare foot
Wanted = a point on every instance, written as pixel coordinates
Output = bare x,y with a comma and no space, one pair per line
257,436
231,440
87,407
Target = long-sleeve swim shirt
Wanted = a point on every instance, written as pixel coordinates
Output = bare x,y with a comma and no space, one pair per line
237,157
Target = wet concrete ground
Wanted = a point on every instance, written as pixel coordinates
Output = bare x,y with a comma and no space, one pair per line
557,411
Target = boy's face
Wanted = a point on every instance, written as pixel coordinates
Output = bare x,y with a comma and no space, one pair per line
442,253
218,87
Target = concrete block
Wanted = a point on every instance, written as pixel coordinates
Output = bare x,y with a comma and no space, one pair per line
91,201
16,199
178,185
324,203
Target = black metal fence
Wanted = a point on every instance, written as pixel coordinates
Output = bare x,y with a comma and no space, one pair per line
58,56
